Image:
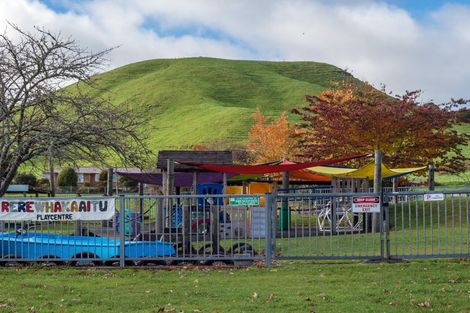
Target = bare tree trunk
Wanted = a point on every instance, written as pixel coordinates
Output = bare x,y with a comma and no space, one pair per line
51,172
109,189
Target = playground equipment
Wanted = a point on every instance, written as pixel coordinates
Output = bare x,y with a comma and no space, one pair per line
40,246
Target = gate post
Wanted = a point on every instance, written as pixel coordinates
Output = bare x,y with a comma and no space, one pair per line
122,227
270,225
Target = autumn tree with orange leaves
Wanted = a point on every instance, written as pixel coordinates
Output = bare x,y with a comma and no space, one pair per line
357,118
271,140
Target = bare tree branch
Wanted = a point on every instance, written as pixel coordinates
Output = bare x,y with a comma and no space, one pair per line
38,114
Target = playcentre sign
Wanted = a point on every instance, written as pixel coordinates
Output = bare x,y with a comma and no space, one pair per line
57,210
366,204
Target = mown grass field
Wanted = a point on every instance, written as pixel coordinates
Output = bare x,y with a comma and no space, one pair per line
425,286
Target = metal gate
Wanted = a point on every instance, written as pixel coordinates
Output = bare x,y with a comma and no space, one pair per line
323,226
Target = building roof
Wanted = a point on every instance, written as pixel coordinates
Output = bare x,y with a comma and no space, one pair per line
98,170
212,157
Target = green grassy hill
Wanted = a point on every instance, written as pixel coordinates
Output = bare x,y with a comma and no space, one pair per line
206,100
462,178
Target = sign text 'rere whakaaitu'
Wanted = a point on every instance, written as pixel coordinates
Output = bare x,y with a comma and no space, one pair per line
57,210
366,204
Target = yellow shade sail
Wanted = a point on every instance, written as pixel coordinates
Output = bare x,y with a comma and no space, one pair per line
367,171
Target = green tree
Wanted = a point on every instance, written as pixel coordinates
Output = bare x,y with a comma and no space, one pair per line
68,177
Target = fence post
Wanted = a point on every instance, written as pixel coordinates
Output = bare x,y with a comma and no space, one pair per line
269,228
122,235
387,228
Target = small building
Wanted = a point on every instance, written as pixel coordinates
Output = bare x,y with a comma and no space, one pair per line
90,176
174,157
211,157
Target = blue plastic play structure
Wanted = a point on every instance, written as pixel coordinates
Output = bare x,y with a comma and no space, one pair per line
206,202
35,246
209,189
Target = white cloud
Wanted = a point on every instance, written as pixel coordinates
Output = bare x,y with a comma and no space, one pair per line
377,42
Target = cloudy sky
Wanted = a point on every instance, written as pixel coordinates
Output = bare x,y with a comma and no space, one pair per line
405,44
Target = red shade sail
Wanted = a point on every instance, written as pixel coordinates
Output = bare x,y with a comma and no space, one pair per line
266,169
303,175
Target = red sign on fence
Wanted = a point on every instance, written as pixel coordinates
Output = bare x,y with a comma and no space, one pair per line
366,204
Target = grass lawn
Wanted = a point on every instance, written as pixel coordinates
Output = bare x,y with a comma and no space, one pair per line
418,286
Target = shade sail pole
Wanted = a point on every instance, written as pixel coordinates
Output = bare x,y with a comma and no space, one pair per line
377,186
431,171
284,215
194,187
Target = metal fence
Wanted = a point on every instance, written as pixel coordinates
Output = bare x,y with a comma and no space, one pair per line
428,226
412,224
144,230
204,229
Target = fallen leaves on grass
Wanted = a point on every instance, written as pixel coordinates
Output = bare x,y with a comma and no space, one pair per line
424,304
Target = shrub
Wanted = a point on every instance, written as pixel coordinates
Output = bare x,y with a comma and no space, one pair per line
25,179
127,182
104,175
43,183
68,177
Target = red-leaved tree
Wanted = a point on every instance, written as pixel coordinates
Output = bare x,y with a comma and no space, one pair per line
357,118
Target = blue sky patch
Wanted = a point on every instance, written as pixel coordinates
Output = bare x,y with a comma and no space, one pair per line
420,8
196,30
